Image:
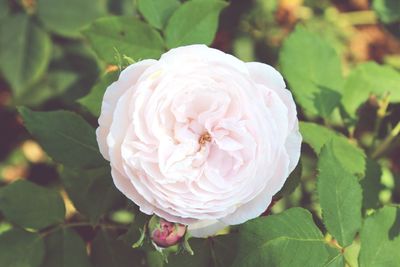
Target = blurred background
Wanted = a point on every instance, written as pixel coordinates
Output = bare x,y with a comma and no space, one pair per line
49,65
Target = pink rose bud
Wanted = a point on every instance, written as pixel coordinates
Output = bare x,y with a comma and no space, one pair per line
164,233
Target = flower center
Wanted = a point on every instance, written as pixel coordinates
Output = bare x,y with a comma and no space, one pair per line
204,138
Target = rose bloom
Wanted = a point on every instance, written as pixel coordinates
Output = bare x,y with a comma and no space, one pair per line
199,137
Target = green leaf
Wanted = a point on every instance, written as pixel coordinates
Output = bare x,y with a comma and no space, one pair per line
92,191
195,22
4,8
67,17
19,248
64,248
313,70
111,36
340,196
157,12
93,100
371,185
65,136
349,155
380,239
366,79
388,10
108,251
30,205
287,239
24,52
336,261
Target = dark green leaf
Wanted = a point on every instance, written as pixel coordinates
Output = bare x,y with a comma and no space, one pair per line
218,251
291,182
366,79
287,239
30,205
349,155
313,70
24,52
93,100
67,17
19,248
92,191
380,239
371,185
200,258
195,22
108,251
157,12
65,136
340,196
114,37
388,10
54,84
64,248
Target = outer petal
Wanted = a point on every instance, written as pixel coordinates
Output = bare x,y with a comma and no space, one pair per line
257,206
205,228
268,76
293,146
127,78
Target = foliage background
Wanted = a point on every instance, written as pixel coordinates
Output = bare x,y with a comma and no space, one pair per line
341,60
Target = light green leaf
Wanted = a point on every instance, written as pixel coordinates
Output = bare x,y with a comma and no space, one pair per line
195,22
92,191
313,70
93,100
19,248
157,12
351,254
366,79
349,155
108,251
340,196
388,10
287,239
64,248
65,136
380,239
24,52
30,205
128,36
67,17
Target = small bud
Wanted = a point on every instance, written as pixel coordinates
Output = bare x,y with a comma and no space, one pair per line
164,233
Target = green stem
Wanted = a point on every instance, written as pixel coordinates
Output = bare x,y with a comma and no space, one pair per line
360,17
386,144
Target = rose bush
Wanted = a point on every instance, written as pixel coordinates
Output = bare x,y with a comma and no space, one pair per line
199,137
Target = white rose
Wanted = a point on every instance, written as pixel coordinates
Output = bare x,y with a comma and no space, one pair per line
199,137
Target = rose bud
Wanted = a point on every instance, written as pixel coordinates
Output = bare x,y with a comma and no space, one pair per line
165,234
199,137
